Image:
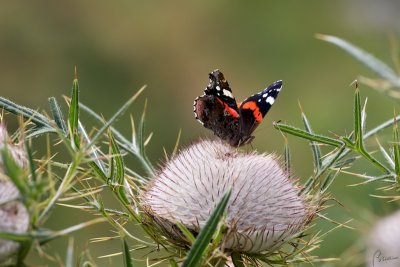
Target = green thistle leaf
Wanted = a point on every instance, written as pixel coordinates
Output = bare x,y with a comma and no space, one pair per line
314,146
396,151
57,115
74,107
358,131
306,135
126,254
364,57
195,255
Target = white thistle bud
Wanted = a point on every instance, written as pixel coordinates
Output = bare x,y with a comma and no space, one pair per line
383,244
17,152
264,209
13,215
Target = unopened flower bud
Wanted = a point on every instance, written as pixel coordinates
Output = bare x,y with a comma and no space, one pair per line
383,244
13,214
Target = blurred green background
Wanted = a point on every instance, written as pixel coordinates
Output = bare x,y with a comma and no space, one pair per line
171,46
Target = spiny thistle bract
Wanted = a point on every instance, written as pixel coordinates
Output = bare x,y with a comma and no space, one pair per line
265,208
13,215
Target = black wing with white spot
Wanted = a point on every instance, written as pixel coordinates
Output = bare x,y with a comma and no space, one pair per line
264,99
219,87
253,110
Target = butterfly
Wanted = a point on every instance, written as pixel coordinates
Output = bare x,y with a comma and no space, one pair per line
233,122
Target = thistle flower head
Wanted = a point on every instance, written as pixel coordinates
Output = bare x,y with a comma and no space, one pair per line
16,151
13,215
383,244
264,210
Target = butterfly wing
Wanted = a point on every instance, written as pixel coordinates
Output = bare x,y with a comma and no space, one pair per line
219,87
253,109
217,109
211,112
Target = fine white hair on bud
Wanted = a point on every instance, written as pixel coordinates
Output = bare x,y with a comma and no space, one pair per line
383,243
17,152
13,215
264,209
13,218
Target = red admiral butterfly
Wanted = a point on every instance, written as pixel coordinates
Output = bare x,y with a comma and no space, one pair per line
233,122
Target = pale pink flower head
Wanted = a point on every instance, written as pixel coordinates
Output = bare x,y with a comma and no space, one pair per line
13,215
264,209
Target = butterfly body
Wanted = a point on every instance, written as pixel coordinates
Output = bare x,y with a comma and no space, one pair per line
233,122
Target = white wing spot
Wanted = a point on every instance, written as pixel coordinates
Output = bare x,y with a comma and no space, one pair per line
265,95
259,100
218,88
270,100
227,93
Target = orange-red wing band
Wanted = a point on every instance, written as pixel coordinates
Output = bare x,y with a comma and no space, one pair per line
256,111
230,110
